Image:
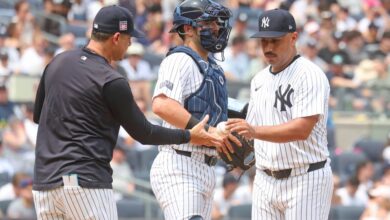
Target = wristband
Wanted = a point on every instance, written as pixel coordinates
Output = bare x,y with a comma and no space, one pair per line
193,121
187,136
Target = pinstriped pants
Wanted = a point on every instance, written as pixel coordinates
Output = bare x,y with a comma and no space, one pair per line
184,186
75,202
302,197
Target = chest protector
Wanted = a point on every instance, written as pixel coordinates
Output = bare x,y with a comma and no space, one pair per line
211,97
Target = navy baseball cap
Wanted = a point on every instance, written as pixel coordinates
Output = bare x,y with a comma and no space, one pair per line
112,19
275,23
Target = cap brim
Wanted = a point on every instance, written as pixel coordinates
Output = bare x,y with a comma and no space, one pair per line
136,33
269,34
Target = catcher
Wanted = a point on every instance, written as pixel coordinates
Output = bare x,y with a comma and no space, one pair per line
190,85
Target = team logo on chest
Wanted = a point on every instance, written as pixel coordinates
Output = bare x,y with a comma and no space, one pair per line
283,97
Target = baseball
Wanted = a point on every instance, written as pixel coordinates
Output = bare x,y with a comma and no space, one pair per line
221,128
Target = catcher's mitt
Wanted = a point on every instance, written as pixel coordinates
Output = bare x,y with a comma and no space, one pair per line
242,157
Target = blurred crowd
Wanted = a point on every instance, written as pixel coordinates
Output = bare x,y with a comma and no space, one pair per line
348,39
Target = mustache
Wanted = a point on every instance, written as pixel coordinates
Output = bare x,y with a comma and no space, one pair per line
269,54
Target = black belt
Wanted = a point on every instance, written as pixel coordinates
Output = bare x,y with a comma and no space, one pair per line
281,174
209,160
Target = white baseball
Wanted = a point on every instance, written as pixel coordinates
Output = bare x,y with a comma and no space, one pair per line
221,128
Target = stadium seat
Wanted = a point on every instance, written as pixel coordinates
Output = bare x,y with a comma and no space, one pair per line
371,148
77,30
147,158
80,42
133,159
36,4
235,87
6,15
346,212
7,4
378,170
130,208
345,163
153,59
4,205
4,178
240,212
144,162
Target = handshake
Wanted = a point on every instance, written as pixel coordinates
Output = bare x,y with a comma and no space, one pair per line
213,137
237,110
232,148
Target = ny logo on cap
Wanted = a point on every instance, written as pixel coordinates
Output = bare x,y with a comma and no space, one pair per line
123,25
265,22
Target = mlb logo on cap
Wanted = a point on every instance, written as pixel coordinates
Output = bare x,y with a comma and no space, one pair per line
112,19
122,25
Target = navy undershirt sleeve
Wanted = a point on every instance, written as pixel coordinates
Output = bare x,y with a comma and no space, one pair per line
120,100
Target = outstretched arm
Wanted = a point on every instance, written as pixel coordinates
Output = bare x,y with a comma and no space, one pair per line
120,100
175,114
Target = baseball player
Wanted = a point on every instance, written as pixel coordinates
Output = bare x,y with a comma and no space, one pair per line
80,104
190,84
287,116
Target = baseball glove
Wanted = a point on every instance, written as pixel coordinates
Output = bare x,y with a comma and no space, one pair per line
242,157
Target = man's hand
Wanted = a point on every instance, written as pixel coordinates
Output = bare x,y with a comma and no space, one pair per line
227,139
241,127
199,136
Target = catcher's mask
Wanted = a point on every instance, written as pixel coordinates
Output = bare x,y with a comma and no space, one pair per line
191,12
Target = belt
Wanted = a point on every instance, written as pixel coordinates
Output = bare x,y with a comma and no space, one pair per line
281,174
209,160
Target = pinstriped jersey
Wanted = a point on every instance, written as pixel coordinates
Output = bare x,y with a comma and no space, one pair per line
300,90
178,78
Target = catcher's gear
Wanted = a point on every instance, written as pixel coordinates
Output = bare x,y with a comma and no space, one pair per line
243,157
191,12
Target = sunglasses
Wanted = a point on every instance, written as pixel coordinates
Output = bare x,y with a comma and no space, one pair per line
25,182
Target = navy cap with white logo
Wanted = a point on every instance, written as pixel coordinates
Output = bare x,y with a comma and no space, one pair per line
112,19
275,23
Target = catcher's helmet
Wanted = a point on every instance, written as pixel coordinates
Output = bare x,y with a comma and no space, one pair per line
190,12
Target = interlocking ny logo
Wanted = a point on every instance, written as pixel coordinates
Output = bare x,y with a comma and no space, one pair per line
265,22
284,98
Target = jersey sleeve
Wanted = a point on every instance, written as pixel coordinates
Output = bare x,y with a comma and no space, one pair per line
311,96
174,76
120,101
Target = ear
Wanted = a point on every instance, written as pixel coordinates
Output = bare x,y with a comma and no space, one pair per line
188,29
115,38
294,36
